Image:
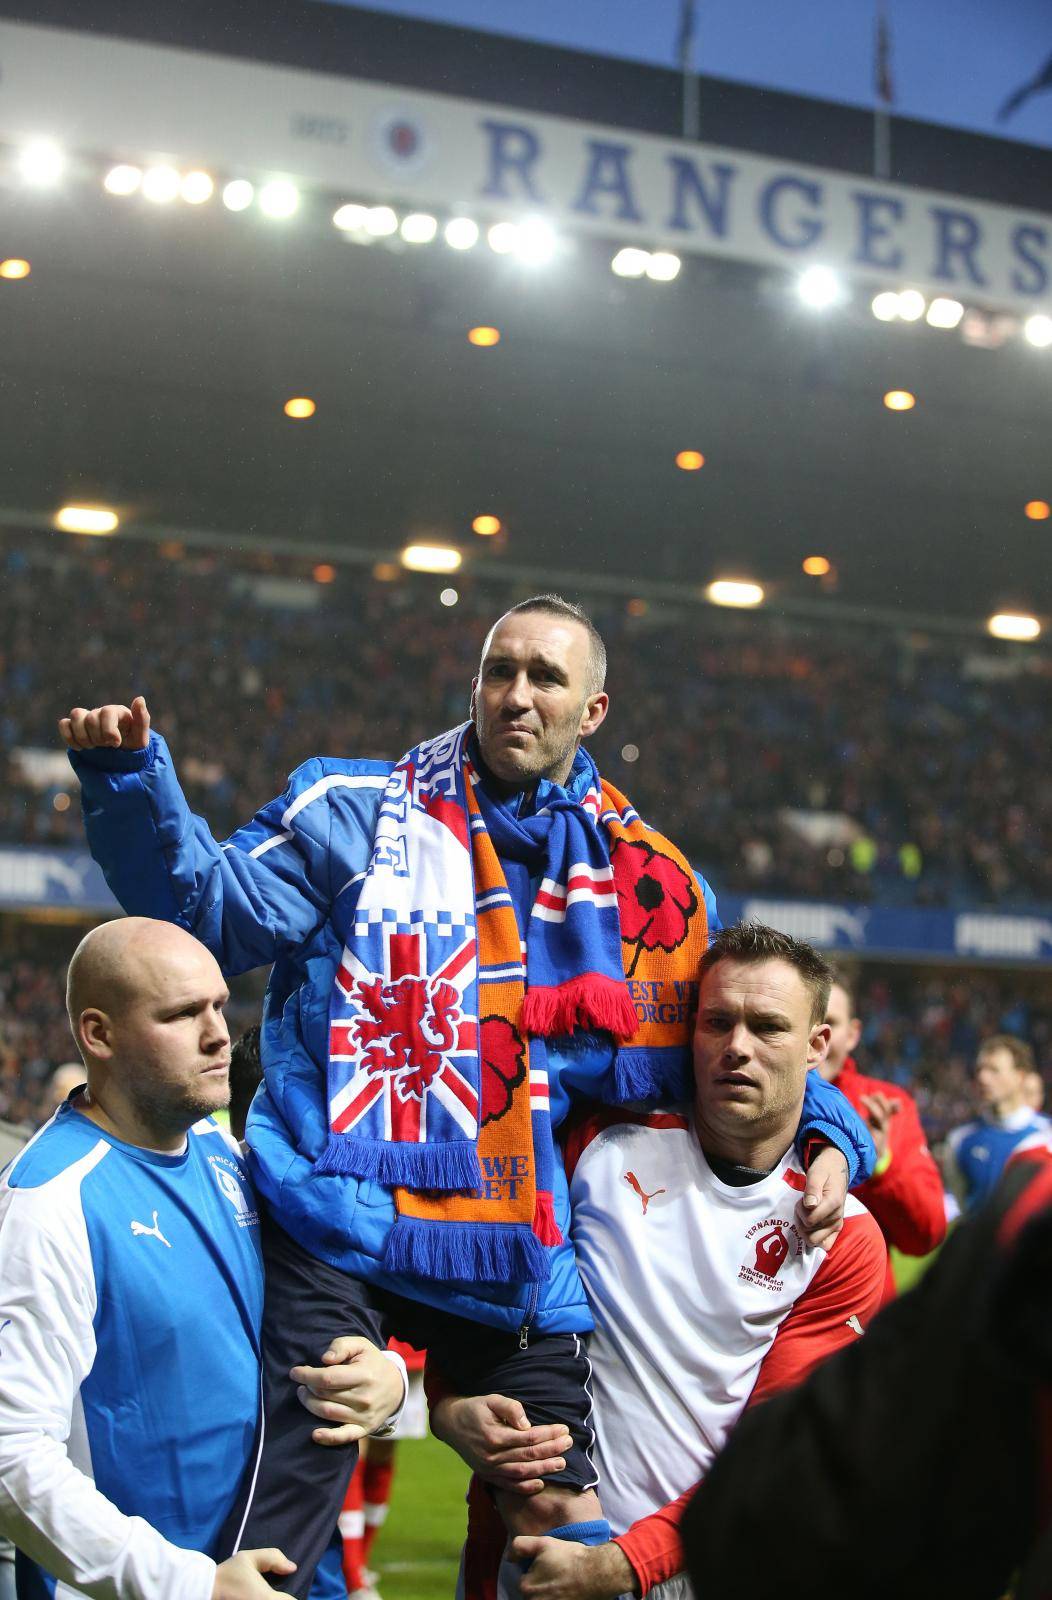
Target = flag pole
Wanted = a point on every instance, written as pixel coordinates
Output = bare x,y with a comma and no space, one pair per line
884,92
691,85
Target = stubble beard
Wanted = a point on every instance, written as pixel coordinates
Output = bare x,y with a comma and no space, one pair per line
171,1109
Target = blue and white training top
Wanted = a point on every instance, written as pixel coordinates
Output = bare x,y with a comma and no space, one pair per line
981,1148
131,1295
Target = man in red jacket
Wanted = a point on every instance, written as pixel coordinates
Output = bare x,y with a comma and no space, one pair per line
905,1193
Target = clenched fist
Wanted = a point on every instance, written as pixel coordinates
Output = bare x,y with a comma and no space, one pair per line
107,727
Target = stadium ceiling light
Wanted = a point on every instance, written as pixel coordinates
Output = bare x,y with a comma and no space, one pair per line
535,241
123,180
324,573
431,558
160,185
419,228
196,188
279,198
238,194
461,233
817,566
1038,331
14,267
380,222
885,306
486,526
663,266
350,218
690,460
484,337
733,592
41,163
630,262
911,305
1013,625
300,407
900,400
944,313
502,238
1038,510
87,519
819,287
449,597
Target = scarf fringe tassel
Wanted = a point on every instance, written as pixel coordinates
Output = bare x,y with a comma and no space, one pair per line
446,1168
591,1001
544,1224
469,1252
662,1074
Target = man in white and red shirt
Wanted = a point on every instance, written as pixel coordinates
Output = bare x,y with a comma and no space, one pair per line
705,1297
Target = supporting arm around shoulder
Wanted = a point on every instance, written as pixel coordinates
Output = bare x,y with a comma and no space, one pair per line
829,1117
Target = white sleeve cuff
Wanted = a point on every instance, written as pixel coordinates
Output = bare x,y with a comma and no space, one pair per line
386,1429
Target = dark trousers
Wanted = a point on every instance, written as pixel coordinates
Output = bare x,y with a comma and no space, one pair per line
293,1489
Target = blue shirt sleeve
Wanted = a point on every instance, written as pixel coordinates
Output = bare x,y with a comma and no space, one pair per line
711,911
828,1114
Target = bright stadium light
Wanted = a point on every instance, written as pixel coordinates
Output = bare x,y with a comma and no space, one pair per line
14,268
123,180
160,185
350,218
630,262
663,266
419,228
449,597
502,238
900,400
1012,625
535,243
944,313
41,163
731,592
461,233
819,287
196,188
911,305
380,222
86,519
279,198
431,558
1038,331
885,306
238,194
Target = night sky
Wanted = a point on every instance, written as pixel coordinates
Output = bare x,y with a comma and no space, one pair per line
953,61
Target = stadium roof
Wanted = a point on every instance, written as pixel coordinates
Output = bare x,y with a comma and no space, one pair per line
148,357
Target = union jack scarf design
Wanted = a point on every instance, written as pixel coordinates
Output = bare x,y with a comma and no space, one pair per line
455,971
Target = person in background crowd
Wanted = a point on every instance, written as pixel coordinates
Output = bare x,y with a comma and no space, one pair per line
62,1083
976,1153
905,1193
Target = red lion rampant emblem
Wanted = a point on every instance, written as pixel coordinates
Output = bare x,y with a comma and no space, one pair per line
407,1030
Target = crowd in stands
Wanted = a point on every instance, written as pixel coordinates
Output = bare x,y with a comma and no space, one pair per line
804,762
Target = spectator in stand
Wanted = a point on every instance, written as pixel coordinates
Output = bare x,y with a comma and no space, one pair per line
1034,1091
905,1192
977,1151
62,1083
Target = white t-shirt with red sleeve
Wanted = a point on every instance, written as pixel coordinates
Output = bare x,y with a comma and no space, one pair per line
706,1299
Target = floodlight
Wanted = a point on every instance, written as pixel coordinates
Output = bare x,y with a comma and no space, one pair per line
419,228
431,558
630,262
279,198
911,305
122,180
41,163
945,313
160,185
461,233
380,221
728,592
1038,331
1010,625
238,195
819,287
663,266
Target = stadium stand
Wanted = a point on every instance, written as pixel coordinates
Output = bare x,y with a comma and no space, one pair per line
887,768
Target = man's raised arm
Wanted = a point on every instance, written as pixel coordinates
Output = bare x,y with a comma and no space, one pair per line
267,889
